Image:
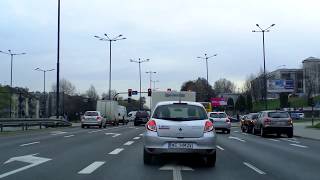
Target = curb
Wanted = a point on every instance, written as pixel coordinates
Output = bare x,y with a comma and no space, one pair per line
309,138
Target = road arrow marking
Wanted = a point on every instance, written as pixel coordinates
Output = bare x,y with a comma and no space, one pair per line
31,159
236,138
114,134
176,170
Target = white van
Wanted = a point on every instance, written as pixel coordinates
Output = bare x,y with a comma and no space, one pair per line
122,113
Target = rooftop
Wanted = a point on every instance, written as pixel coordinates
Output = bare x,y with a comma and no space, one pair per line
311,59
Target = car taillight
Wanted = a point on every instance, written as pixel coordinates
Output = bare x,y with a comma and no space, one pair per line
290,121
99,118
208,126
151,125
267,121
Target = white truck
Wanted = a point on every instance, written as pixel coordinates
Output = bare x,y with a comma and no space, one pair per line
109,110
159,96
122,113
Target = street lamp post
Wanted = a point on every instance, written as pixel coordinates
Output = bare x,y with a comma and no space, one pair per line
11,55
150,76
264,61
44,83
117,38
154,84
58,64
139,61
206,58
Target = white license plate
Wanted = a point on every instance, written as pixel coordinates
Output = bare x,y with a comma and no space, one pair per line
180,145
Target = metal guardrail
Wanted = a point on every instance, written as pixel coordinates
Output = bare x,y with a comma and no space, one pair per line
24,123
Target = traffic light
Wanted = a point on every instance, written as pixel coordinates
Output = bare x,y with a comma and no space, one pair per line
149,92
129,93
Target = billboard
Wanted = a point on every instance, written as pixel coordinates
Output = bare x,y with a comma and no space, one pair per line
280,85
215,102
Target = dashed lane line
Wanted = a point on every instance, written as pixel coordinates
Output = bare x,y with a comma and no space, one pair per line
128,143
298,145
140,134
292,141
69,136
219,147
254,168
28,144
116,151
275,140
136,138
91,168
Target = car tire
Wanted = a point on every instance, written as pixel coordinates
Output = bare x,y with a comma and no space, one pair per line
135,124
82,126
228,131
290,134
262,132
147,157
254,131
278,134
211,160
242,128
105,125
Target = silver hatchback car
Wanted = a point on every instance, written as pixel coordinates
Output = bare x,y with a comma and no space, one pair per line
179,127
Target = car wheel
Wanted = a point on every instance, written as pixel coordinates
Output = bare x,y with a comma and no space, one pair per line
278,134
228,131
135,124
242,128
105,125
262,133
82,126
211,160
290,134
254,131
147,157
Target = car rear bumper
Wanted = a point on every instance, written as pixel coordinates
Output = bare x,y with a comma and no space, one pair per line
141,121
222,126
91,123
273,129
160,145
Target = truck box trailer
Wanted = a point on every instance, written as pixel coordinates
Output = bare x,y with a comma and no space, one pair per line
109,110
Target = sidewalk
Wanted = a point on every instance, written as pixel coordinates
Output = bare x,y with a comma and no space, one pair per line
300,130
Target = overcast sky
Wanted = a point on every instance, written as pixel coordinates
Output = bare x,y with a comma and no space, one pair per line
172,33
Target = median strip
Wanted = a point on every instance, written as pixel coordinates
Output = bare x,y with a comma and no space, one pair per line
27,144
254,168
92,167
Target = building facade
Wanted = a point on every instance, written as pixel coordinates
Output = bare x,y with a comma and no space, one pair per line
311,71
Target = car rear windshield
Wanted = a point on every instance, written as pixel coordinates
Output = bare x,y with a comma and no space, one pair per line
254,116
180,112
218,115
278,114
143,114
91,114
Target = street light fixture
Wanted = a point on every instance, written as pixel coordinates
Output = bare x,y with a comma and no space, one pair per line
150,73
44,82
139,61
11,54
264,60
117,38
206,57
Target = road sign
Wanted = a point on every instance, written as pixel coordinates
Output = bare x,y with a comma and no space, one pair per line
134,92
31,159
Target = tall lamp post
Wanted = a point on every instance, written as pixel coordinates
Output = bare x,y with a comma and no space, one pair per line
11,54
107,38
150,76
139,61
264,61
206,57
44,83
154,84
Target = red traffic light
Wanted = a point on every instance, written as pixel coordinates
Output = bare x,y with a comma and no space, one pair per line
149,92
129,92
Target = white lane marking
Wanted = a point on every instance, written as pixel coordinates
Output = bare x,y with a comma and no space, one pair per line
245,134
236,138
136,138
54,133
128,143
298,145
235,131
219,147
27,144
137,128
69,136
292,141
31,159
254,168
116,151
95,131
176,170
114,134
131,127
140,134
275,140
92,167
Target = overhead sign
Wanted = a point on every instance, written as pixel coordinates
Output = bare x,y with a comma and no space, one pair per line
280,85
134,92
215,102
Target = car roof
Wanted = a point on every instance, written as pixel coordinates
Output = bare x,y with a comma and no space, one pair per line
173,102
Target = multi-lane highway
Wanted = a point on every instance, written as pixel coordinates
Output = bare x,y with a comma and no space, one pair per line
115,153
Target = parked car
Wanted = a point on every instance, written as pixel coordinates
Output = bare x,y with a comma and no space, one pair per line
179,127
142,117
295,116
93,118
248,122
220,121
132,115
278,122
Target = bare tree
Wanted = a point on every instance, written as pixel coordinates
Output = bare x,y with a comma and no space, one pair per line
65,86
106,95
224,86
91,93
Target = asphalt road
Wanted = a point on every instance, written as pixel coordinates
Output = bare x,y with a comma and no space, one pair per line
116,153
